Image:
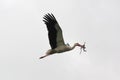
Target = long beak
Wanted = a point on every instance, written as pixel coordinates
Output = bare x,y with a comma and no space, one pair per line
80,45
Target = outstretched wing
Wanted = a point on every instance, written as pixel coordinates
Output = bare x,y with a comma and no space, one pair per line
54,31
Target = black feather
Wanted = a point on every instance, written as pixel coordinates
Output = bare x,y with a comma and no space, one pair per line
50,22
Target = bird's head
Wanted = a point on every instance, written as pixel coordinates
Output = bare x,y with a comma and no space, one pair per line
82,46
77,44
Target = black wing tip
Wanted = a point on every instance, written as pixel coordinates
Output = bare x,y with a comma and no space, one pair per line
49,17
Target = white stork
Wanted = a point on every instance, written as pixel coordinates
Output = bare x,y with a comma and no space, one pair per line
56,38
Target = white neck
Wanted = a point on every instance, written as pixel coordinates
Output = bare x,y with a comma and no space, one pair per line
73,47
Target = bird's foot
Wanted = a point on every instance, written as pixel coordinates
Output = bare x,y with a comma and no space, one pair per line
41,57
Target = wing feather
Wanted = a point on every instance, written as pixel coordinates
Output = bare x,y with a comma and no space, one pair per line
54,31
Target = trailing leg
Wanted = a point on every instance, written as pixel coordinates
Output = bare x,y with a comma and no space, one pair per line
44,56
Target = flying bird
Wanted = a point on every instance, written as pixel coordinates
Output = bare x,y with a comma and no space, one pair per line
55,36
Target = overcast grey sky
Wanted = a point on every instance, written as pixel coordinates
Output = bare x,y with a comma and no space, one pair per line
23,39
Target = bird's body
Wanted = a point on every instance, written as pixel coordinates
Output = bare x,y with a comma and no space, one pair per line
61,49
56,37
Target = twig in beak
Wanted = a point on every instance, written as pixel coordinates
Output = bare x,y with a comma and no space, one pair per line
83,48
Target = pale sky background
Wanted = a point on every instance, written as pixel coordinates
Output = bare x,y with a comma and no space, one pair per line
23,39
